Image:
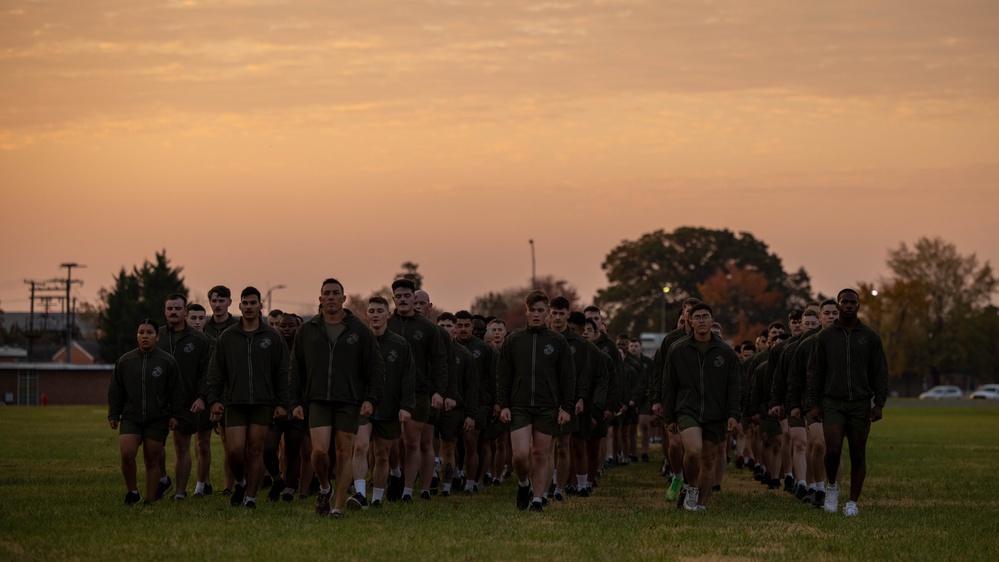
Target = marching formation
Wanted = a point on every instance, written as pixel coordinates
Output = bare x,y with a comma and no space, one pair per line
360,411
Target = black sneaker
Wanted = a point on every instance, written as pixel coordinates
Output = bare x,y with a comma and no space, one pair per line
583,493
250,504
645,457
434,483
536,506
551,488
774,484
801,492
820,499
336,514
523,496
323,504
681,498
206,491
357,501
268,482
446,493
406,498
288,496
163,488
570,490
179,497
789,484
425,494
238,494
132,498
557,496
377,504
394,490
226,492
809,496
497,481
544,502
716,488
276,488
632,458
457,483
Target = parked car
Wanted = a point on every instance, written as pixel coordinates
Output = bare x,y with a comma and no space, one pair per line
942,392
986,392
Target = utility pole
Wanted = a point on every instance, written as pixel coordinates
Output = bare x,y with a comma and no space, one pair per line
69,312
534,276
269,291
36,288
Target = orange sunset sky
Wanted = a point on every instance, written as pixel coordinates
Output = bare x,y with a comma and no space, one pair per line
280,142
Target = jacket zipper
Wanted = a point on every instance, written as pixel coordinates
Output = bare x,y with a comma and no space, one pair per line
534,361
143,378
701,364
249,364
329,371
849,376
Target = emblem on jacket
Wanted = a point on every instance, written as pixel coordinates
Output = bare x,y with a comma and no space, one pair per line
392,356
549,349
352,339
265,343
189,347
573,348
477,353
157,371
418,335
719,361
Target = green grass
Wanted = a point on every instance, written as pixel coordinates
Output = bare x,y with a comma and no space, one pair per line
932,492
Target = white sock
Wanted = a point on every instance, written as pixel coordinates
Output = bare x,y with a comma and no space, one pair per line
377,493
820,486
325,491
581,481
242,483
469,486
407,491
164,480
199,487
524,482
288,491
133,492
678,475
555,477
559,491
447,487
802,483
360,488
249,499
397,472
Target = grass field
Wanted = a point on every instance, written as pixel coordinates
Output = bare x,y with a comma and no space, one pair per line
932,493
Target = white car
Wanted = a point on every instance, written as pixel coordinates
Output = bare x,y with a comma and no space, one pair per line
987,392
942,392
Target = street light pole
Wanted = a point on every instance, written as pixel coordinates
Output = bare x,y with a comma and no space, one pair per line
534,277
663,325
69,308
269,291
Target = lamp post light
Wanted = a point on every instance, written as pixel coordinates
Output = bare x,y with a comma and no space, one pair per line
663,325
269,291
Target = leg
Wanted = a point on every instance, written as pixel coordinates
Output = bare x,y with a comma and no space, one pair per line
320,437
562,468
692,445
380,473
540,446
817,455
643,429
359,464
427,456
709,453
305,455
834,450
471,438
182,461
272,442
229,478
204,452
255,436
799,445
128,446
293,460
448,461
520,445
344,469
152,450
857,441
412,433
235,451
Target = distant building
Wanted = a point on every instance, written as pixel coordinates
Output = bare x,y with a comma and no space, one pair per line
13,354
84,353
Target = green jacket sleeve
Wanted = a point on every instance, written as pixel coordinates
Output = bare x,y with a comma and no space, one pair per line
566,376
116,393
216,375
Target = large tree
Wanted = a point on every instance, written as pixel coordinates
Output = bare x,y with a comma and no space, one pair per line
135,296
686,261
932,309
509,304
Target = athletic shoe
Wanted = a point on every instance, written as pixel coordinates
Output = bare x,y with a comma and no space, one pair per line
132,498
425,494
497,481
523,496
458,483
716,488
832,498
394,490
377,504
820,498
226,492
583,493
557,496
336,514
276,488
740,461
238,494
633,458
357,501
268,482
774,484
446,493
673,492
207,491
536,506
850,509
323,504
570,490
250,504
544,502
801,493
683,497
645,457
179,497
690,503
406,498
288,496
434,483
162,489
551,488
789,484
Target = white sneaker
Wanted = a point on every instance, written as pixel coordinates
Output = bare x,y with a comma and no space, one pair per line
832,498
690,502
850,509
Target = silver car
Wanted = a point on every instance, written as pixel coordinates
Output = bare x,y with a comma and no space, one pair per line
986,392
942,392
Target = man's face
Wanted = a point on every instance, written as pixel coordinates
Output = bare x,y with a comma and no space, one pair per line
809,322
746,353
828,314
403,299
249,307
146,337
537,314
421,302
464,329
273,321
479,328
448,326
175,313
774,332
813,307
560,318
761,343
377,314
635,348
596,318
701,322
220,305
288,326
196,319
497,333
622,344
795,325
589,333
848,306
332,298
716,329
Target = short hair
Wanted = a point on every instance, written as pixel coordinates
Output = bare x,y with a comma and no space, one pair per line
576,318
783,336
776,324
592,322
195,307
445,316
560,303
701,306
175,296
634,340
333,280
378,300
249,291
713,324
623,337
592,308
795,315
809,313
497,321
737,348
810,304
151,322
463,315
277,312
221,290
827,302
536,296
404,284
479,317
839,295
690,301
291,315
748,345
